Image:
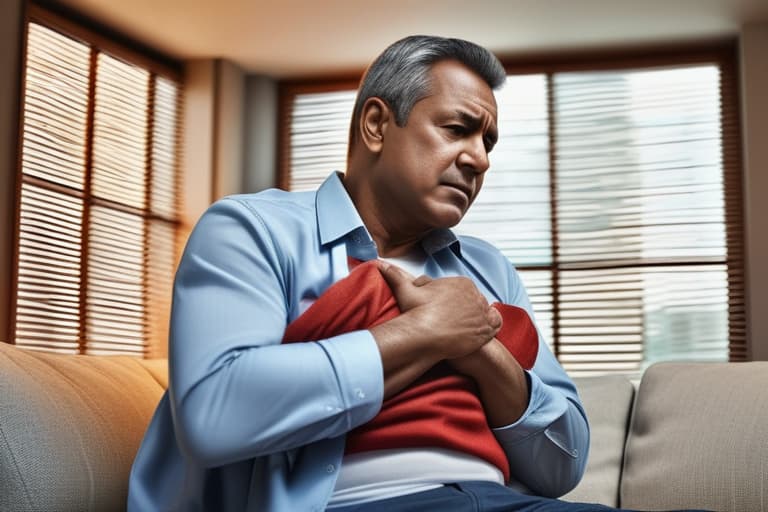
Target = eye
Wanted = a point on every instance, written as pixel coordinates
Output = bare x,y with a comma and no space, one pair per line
457,129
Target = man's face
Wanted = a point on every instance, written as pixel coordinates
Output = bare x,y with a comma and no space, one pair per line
432,168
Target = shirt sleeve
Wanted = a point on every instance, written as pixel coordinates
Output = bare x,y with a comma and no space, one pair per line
236,392
547,447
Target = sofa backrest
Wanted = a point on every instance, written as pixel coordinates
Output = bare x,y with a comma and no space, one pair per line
607,401
699,438
70,427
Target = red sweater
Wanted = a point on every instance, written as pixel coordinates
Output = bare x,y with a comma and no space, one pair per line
441,409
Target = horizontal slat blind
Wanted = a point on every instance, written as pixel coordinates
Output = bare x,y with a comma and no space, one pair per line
613,192
639,184
319,130
517,188
98,209
48,279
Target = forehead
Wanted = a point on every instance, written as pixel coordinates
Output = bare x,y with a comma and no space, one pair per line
452,84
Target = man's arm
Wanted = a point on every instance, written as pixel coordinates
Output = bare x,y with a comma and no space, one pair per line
236,392
547,445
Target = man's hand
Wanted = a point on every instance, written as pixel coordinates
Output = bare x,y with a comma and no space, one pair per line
451,310
441,319
463,328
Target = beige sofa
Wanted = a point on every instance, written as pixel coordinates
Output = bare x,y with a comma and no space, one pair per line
695,435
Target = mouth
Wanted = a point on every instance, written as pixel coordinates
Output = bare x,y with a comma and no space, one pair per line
464,189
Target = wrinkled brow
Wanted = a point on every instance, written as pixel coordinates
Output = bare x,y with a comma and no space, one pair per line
474,123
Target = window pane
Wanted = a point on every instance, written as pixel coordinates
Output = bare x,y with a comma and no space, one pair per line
165,140
512,210
538,284
55,107
319,132
48,290
115,303
120,132
639,168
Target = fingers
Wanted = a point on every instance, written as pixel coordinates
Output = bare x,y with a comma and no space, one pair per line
395,275
494,318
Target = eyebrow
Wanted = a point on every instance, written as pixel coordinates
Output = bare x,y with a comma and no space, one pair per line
474,122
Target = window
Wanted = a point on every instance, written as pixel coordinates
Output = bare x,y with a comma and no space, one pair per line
98,212
615,190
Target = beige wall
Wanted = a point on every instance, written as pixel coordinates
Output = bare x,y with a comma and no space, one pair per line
260,134
11,23
214,134
754,82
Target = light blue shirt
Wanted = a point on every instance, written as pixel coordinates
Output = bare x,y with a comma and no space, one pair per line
251,424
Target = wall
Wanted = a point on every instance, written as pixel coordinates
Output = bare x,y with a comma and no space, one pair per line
11,23
260,134
754,83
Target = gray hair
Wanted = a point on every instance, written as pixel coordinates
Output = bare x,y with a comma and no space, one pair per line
400,75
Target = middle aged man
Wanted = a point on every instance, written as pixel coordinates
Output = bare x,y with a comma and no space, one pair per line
425,410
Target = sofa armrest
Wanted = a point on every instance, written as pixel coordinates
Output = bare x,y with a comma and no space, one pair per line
699,438
70,427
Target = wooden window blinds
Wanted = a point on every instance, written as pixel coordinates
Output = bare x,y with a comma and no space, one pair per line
98,212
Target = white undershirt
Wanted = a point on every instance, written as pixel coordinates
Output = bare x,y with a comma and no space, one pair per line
382,474
413,262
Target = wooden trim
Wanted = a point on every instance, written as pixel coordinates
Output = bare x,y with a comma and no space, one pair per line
740,343
551,129
10,336
87,181
90,32
634,57
215,111
145,278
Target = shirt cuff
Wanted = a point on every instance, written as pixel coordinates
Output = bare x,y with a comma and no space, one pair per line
545,406
357,362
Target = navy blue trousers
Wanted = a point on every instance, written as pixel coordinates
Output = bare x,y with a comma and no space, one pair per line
472,497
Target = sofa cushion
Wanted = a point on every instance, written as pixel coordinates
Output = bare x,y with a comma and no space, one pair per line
70,427
699,438
608,403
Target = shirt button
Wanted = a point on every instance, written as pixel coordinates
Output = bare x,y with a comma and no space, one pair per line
359,393
330,468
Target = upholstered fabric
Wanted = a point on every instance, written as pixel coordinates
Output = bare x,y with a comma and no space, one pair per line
699,439
608,402
70,427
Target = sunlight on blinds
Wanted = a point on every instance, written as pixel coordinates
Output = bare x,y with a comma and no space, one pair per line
48,289
319,130
55,108
640,182
120,132
97,246
516,187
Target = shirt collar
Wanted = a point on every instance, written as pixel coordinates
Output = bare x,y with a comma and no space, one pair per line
337,217
336,213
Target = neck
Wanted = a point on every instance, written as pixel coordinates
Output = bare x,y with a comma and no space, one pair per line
390,242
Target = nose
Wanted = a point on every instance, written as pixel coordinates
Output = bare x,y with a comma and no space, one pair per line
474,156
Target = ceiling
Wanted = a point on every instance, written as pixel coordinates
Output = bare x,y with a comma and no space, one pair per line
289,38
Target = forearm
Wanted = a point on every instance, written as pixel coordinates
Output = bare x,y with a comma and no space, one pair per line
273,398
502,383
558,446
405,353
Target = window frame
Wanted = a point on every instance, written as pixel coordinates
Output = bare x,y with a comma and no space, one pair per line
100,39
723,52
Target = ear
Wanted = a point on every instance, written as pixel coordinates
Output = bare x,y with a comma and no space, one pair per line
374,119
